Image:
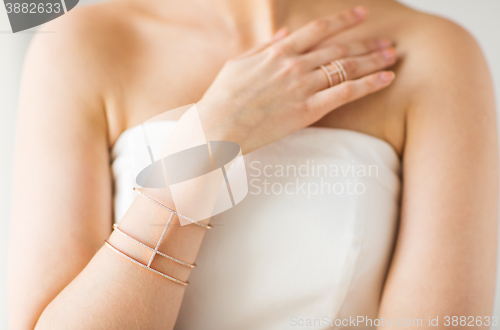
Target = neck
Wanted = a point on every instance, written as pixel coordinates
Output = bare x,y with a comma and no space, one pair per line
253,20
248,22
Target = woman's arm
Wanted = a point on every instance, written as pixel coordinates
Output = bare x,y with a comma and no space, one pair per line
445,258
62,186
59,277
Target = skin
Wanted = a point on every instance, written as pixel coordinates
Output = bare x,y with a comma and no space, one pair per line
438,114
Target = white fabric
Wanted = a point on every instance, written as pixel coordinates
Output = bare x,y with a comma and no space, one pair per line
282,261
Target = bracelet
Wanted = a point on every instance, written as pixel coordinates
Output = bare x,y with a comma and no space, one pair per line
172,211
115,227
173,279
155,250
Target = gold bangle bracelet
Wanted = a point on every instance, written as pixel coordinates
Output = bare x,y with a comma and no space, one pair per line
115,227
173,279
172,211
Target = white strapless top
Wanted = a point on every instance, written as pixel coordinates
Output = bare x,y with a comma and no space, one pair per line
308,247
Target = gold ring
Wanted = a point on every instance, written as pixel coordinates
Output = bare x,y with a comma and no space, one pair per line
340,70
330,81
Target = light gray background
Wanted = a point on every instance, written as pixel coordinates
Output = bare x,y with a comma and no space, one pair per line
480,17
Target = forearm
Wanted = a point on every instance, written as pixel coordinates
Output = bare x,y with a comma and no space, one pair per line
113,292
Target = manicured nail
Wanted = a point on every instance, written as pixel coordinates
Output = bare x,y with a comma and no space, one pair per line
383,42
389,53
360,11
387,76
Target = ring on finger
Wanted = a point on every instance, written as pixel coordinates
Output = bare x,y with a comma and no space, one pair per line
328,75
340,70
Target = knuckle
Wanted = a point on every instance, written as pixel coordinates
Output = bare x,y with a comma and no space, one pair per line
346,19
340,50
349,64
293,65
320,24
307,111
346,90
277,51
372,83
379,60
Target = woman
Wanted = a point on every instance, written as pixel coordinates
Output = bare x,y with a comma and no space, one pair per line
111,66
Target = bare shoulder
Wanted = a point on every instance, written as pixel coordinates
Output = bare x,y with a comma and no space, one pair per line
443,59
442,78
450,90
85,41
78,58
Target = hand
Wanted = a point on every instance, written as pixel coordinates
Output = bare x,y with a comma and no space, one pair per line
278,88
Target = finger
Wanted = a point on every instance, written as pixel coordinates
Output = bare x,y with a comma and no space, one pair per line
355,67
327,54
280,34
357,47
363,47
318,30
332,98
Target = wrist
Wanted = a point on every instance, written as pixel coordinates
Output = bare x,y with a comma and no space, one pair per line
218,124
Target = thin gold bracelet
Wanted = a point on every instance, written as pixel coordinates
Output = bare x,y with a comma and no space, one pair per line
155,250
115,227
173,279
172,211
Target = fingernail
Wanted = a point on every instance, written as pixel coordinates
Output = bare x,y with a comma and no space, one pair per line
387,76
360,11
389,53
383,42
280,33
